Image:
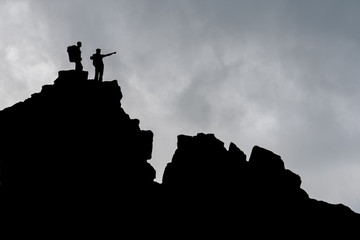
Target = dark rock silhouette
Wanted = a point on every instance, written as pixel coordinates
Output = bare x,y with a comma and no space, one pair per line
216,186
71,152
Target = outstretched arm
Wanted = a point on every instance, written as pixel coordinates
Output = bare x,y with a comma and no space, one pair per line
106,55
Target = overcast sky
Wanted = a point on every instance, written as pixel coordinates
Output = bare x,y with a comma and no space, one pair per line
281,74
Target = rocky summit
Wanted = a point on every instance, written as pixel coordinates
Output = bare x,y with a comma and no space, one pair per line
71,152
72,147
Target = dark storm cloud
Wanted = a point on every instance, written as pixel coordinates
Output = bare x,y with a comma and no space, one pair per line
282,74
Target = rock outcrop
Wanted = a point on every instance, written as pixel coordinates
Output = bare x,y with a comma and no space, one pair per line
72,148
72,152
215,188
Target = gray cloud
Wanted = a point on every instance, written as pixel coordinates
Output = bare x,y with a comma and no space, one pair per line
281,74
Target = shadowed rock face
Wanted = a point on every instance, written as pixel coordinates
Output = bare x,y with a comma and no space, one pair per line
72,152
215,186
204,160
73,142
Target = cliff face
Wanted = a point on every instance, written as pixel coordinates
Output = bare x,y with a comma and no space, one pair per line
73,142
220,188
72,149
203,165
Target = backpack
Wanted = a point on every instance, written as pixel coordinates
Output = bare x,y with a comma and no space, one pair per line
74,53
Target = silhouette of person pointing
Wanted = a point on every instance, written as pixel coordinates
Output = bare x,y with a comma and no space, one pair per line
99,64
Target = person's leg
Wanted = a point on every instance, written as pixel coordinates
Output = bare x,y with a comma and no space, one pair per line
96,74
101,71
78,66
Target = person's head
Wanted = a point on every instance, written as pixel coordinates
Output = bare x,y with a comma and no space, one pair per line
78,44
98,51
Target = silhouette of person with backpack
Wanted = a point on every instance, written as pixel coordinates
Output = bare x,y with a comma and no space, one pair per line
99,64
75,55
